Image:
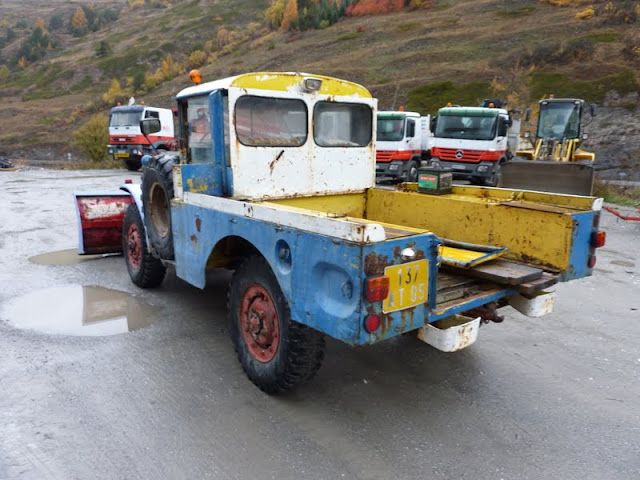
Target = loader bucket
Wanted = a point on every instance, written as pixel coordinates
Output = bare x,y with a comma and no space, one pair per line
548,176
100,218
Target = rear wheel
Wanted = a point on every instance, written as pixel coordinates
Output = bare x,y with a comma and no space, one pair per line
145,270
276,353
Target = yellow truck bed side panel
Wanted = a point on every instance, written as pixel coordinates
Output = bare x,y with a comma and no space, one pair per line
350,205
540,235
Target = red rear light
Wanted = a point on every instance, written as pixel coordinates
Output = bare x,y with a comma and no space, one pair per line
371,323
598,239
128,180
377,288
592,261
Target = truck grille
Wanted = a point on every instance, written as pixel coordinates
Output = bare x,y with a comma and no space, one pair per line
449,154
383,155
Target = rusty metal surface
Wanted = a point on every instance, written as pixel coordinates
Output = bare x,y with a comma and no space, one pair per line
100,218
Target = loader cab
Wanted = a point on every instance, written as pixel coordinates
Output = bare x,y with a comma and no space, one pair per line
560,119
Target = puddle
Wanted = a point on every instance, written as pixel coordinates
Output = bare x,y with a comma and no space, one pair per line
80,311
65,257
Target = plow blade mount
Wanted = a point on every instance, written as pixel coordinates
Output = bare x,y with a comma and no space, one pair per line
100,218
548,176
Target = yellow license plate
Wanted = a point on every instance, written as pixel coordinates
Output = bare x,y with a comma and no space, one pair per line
407,285
122,155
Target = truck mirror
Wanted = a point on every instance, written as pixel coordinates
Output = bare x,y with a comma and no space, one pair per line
149,126
527,115
411,129
503,127
433,123
592,109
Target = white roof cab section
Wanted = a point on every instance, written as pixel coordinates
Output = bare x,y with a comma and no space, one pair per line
308,163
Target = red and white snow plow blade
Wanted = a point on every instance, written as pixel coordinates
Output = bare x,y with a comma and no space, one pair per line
100,218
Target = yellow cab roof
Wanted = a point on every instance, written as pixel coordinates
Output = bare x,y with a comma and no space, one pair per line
278,81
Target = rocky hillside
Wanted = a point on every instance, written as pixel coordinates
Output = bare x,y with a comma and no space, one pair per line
63,62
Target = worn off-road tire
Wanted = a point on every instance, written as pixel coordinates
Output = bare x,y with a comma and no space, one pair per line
145,270
157,192
276,353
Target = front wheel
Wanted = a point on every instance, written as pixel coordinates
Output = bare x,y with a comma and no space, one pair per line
276,353
133,163
495,179
145,270
412,171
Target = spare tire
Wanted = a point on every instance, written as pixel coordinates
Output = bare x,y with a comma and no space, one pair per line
157,192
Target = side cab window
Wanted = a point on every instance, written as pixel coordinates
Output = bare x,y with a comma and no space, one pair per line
411,128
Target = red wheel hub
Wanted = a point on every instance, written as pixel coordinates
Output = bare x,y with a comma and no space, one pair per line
134,246
259,323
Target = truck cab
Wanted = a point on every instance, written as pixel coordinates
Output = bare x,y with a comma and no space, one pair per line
402,142
472,141
126,142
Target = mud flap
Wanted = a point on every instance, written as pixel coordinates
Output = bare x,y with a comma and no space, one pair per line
548,176
100,217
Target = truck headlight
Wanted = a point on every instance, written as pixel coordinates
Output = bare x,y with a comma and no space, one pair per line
483,168
393,166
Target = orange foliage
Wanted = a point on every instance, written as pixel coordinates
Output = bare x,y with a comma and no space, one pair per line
290,15
374,7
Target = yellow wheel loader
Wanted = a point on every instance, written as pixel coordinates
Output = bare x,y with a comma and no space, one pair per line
554,162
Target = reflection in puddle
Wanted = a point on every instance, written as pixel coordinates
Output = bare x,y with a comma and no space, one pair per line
64,257
79,310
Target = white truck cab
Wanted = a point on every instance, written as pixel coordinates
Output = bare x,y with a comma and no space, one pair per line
126,142
403,140
472,141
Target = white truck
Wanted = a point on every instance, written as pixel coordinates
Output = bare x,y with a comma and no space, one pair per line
126,142
402,142
472,142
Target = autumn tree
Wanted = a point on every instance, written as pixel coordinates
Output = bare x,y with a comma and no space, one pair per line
197,58
375,7
273,15
114,94
290,16
222,38
92,137
79,24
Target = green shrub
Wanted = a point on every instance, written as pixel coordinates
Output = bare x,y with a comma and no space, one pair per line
92,138
545,83
349,36
515,12
430,97
604,37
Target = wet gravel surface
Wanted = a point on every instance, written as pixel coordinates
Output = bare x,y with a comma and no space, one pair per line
550,398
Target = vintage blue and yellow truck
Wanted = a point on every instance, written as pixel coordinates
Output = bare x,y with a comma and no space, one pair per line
275,180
